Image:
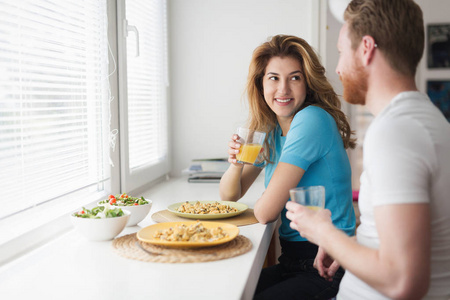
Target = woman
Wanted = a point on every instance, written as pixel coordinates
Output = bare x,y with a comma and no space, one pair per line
292,101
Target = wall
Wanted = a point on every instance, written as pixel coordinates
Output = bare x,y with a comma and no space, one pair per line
211,43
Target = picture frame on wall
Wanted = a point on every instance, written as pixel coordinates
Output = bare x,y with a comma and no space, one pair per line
439,93
438,45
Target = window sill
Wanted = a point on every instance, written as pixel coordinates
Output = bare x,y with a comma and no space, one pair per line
33,228
25,232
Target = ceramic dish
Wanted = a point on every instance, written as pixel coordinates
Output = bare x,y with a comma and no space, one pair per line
147,234
101,229
241,207
138,212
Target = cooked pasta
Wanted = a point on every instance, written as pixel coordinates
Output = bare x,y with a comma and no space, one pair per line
200,208
193,233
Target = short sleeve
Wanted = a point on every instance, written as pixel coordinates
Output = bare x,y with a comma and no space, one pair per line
398,158
309,137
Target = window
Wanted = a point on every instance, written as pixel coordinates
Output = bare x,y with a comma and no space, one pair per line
58,113
143,97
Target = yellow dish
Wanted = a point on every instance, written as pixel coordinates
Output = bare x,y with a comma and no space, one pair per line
146,234
241,207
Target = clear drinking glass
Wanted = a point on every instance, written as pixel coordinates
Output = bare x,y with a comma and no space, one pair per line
251,144
310,196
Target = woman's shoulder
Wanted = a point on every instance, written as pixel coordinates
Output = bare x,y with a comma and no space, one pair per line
311,113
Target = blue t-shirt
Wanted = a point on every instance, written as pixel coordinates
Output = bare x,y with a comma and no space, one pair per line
314,144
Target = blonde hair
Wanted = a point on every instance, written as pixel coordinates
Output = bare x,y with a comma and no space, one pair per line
319,91
396,26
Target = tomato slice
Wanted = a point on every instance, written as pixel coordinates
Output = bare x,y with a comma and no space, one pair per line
112,201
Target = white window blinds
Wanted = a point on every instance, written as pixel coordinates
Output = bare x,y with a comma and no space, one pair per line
54,100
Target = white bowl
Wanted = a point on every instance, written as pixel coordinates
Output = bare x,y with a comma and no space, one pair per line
101,229
138,212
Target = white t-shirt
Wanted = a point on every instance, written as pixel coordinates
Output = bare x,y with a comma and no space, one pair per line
406,159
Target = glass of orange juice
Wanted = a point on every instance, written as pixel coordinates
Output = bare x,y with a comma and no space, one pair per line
251,144
312,197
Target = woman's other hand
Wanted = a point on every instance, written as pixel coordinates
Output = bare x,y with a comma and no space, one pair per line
325,264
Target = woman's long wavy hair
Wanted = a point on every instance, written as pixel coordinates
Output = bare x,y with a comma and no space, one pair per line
319,91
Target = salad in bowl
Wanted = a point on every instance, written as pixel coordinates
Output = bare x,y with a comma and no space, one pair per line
139,207
124,200
100,223
99,212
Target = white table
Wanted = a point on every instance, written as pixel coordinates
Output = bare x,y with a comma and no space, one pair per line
70,267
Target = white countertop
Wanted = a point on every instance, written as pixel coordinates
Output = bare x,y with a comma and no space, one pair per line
70,267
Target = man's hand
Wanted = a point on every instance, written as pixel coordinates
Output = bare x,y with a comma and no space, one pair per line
311,224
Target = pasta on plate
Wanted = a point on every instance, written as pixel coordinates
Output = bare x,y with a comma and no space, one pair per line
206,208
192,233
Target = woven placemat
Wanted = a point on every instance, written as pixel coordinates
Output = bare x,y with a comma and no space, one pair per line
127,246
246,218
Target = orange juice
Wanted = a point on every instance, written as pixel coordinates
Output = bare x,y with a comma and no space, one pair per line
313,207
248,153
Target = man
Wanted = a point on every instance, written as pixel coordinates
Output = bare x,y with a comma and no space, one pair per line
402,247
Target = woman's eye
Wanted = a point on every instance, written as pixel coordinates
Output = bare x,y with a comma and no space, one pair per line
273,78
295,78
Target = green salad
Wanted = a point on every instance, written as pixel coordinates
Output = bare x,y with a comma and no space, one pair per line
124,200
99,212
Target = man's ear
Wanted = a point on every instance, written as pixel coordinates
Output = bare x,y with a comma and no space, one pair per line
368,47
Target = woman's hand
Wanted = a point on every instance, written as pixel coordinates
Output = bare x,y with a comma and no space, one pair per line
237,179
234,146
325,264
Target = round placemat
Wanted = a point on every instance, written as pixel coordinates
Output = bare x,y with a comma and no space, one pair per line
130,247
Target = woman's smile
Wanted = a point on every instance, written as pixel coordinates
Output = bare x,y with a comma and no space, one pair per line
284,101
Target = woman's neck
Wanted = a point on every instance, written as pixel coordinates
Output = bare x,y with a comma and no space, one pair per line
285,125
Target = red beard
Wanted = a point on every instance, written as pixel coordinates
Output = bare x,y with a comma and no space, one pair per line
355,86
